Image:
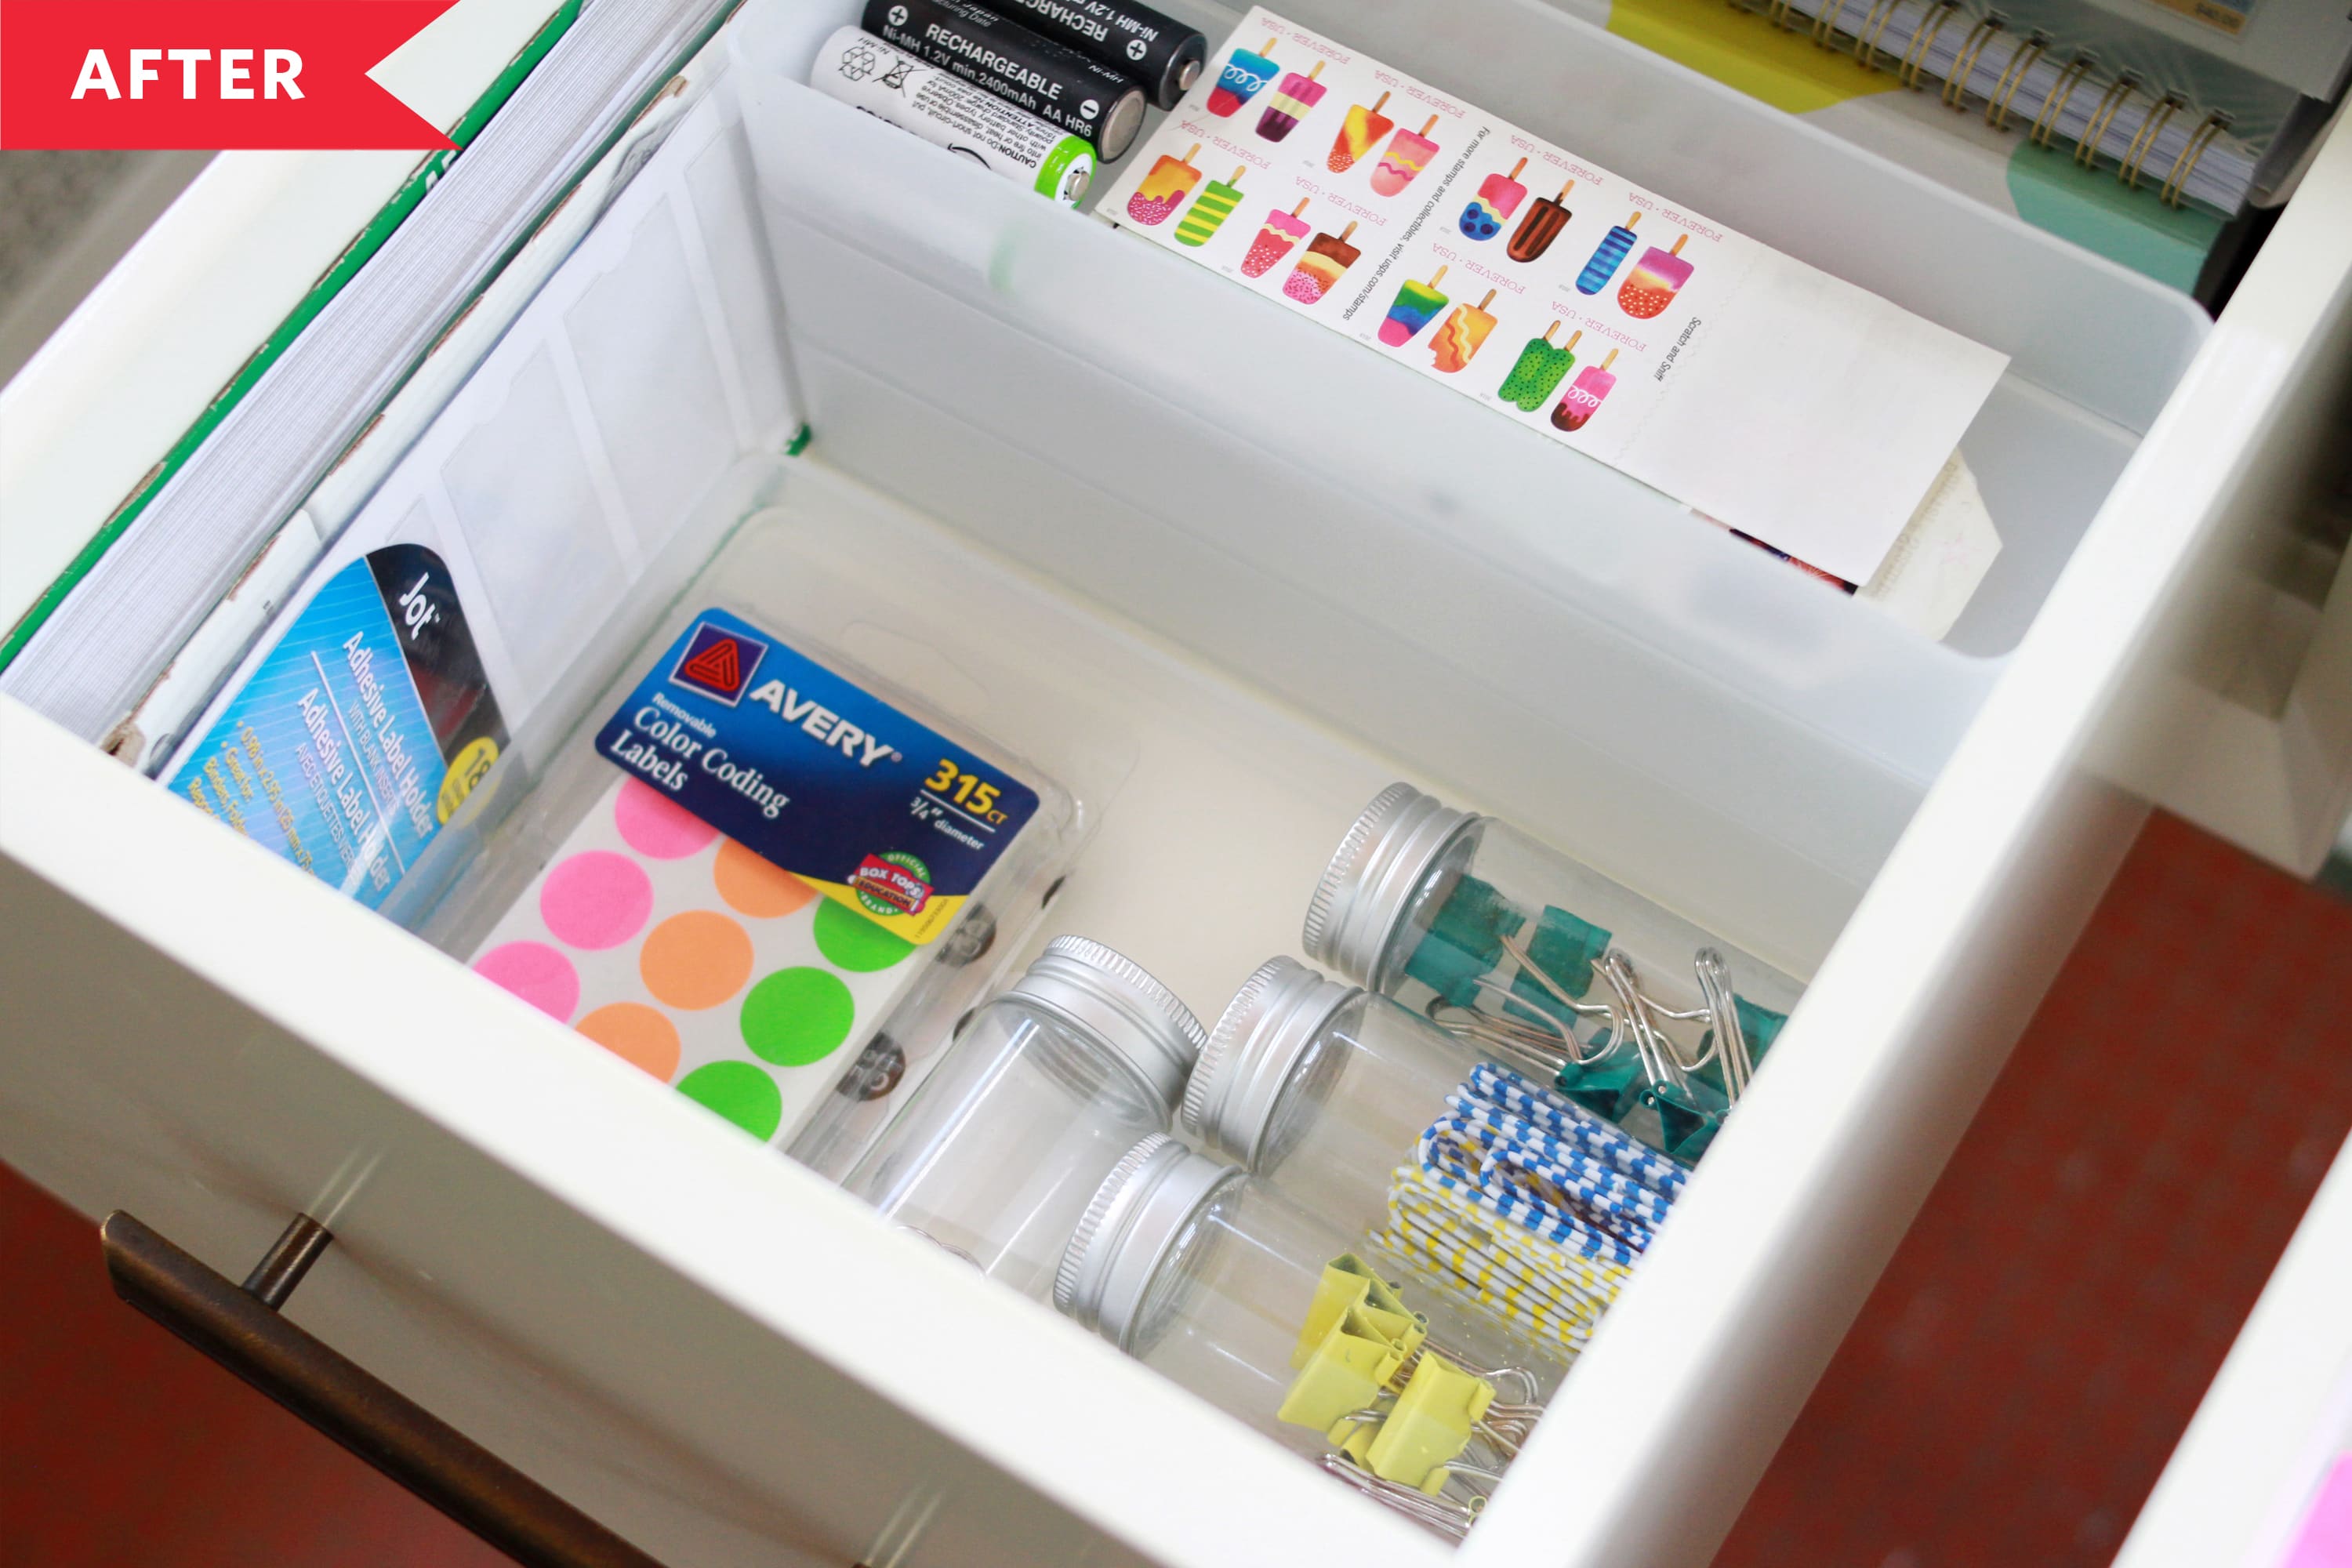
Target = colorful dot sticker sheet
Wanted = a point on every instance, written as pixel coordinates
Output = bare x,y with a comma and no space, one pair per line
1796,407
691,957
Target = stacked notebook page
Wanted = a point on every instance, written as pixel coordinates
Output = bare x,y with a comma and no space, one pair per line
107,642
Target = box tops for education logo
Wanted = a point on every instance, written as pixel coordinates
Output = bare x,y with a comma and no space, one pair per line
892,884
718,663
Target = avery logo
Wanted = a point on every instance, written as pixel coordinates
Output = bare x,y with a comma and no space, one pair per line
718,663
821,724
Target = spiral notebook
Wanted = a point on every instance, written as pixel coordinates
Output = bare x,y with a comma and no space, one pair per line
2101,123
2155,136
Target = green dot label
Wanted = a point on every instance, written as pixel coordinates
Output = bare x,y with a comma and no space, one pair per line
851,942
798,1016
738,1091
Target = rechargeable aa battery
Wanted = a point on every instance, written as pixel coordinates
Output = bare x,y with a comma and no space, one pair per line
946,110
1058,85
1159,51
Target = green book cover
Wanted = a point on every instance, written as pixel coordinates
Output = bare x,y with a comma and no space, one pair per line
362,248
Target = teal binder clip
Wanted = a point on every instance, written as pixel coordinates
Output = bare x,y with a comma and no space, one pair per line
1691,1105
1464,940
1629,1070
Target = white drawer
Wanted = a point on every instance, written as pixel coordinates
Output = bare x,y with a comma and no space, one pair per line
2277,1420
729,1362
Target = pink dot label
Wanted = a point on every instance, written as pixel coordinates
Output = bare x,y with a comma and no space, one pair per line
596,899
536,972
654,824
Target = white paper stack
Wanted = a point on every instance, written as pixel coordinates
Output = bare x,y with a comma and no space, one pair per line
107,645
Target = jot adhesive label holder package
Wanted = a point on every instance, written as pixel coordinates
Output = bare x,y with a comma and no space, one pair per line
763,874
353,738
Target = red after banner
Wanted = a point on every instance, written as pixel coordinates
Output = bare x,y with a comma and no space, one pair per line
207,74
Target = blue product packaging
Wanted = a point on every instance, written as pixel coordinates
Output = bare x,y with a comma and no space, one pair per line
815,775
359,733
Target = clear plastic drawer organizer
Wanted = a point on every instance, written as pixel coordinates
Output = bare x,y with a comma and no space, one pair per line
1745,744
1450,1171
1407,1221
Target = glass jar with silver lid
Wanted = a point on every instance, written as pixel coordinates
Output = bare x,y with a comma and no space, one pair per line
1222,1285
1321,1089
1049,1083
1633,1012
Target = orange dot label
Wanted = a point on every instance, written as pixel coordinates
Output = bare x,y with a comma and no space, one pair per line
636,1034
696,960
755,885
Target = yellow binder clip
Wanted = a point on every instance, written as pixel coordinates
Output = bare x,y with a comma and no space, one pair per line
1354,1362
1431,1424
1349,1285
1352,1434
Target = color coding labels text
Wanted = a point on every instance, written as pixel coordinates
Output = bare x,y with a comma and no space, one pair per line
817,777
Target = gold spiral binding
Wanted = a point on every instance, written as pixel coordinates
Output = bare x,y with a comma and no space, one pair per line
1825,26
1873,27
2013,77
2086,146
1964,66
1776,13
2176,183
2143,141
1923,39
2054,104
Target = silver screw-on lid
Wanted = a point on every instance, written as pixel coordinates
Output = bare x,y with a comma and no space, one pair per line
1253,1053
1109,996
1370,883
1137,1213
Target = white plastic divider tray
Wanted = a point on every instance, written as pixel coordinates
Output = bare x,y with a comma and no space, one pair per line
1746,742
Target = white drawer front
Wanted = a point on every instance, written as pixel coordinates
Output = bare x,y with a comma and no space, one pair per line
2260,747
2276,1421
212,1040
1803,1199
1804,1196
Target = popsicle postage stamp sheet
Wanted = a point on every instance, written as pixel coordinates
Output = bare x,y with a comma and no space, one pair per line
1795,407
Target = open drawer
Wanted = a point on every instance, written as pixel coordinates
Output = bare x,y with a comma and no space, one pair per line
2262,1477
1033,431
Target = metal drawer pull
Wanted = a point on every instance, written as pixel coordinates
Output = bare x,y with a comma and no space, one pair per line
240,1329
